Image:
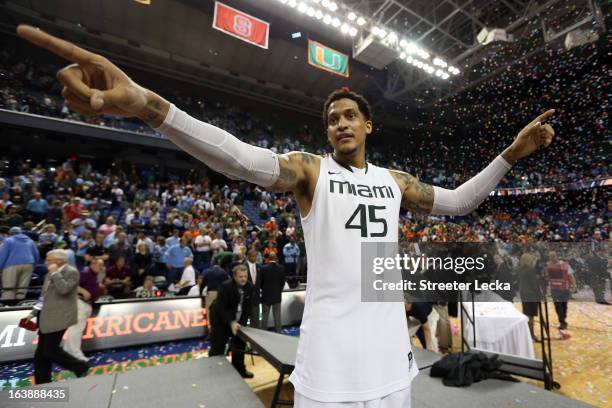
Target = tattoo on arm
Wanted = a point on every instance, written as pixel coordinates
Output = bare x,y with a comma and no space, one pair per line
155,110
307,158
416,196
287,176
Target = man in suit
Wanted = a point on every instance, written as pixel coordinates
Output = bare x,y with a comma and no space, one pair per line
255,279
56,310
272,282
229,311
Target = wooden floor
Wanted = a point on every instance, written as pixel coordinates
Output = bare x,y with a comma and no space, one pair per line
582,364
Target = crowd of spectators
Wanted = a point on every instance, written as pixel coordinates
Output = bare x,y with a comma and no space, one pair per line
448,142
153,237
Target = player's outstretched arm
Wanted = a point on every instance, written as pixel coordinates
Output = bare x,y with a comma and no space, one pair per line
421,197
93,85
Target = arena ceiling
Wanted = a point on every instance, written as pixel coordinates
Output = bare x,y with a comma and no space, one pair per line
176,38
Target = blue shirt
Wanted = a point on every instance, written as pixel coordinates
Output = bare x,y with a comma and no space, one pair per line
38,206
175,255
291,252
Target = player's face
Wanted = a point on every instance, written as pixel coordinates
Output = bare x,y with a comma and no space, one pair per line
346,127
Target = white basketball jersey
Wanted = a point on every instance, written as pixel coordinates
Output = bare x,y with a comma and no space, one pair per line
350,350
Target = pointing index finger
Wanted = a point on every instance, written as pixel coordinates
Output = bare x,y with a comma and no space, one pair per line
60,47
544,116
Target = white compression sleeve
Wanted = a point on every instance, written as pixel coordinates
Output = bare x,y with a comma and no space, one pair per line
469,195
220,150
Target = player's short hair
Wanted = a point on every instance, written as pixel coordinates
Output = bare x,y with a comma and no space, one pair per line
344,92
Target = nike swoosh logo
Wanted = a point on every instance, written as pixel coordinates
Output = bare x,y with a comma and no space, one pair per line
333,172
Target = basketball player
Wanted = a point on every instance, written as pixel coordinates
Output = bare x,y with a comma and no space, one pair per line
350,353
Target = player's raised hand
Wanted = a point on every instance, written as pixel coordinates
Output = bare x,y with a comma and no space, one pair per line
92,84
532,137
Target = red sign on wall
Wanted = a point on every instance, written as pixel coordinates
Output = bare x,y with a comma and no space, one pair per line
241,25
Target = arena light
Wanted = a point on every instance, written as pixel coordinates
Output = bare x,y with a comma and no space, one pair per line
351,16
325,3
361,21
382,33
402,55
375,30
336,22
403,43
439,62
391,38
439,73
318,14
310,11
409,59
327,19
344,28
302,7
353,31
445,75
333,6
412,48
292,3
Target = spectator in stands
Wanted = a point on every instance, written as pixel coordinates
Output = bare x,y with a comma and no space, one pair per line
13,217
174,239
143,239
255,279
239,247
142,263
120,248
229,311
148,289
272,282
108,227
48,238
174,258
159,251
118,280
18,255
88,292
84,242
218,244
74,209
97,250
6,202
291,252
55,215
37,208
188,278
85,221
269,250
263,209
55,311
202,251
